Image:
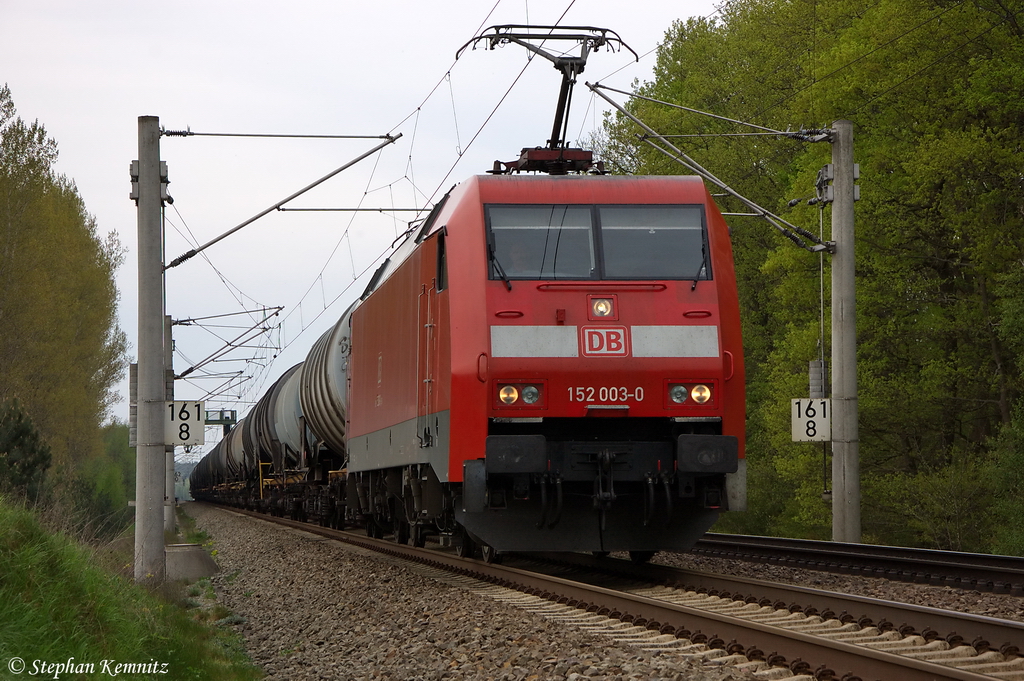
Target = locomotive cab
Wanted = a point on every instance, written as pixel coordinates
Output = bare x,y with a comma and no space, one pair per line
610,373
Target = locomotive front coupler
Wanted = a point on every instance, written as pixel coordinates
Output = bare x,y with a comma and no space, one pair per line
604,482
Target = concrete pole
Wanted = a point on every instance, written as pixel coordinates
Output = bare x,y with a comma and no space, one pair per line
845,434
150,451
169,395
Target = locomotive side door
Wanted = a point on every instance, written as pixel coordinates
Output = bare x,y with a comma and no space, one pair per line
427,343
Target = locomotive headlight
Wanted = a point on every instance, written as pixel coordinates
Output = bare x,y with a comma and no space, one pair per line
508,394
602,307
677,393
700,393
530,394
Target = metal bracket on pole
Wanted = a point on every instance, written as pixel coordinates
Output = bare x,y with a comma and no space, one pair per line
391,139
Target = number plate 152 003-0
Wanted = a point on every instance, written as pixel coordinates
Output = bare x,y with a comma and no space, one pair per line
605,394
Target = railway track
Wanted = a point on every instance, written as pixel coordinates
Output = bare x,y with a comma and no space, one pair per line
982,572
773,630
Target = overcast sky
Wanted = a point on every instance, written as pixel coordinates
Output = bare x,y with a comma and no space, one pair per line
88,70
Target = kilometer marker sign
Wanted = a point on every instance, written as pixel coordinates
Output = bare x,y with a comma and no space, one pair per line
185,423
811,419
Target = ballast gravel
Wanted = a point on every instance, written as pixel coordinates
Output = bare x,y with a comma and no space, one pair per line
319,609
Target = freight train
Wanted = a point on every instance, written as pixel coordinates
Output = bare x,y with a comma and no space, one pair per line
550,361
547,363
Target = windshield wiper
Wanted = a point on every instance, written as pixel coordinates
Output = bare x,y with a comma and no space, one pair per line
497,266
700,268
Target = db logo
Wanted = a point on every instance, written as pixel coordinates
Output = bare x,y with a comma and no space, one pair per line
604,341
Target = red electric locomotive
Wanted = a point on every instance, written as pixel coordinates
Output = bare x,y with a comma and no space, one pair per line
556,365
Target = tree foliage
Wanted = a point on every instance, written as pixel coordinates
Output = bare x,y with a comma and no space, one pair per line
933,88
61,351
24,457
106,482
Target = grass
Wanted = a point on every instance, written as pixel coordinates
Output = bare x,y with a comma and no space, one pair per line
57,602
192,534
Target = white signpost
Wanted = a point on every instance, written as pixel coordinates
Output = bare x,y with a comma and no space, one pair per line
185,423
811,419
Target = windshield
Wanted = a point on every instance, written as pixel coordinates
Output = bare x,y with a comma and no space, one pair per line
543,242
597,242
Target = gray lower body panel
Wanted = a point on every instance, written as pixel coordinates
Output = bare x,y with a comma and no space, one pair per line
416,441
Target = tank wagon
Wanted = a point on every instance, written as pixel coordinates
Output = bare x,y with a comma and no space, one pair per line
547,363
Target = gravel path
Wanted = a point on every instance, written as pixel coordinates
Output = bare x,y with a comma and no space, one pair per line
319,609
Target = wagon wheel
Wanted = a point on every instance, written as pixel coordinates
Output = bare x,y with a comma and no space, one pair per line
400,525
373,528
490,555
337,521
465,547
418,536
401,532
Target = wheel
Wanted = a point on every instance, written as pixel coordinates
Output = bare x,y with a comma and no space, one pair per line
401,532
489,554
641,557
373,530
418,536
466,547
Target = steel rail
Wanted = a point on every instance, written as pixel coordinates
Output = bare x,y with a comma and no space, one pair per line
984,572
869,611
795,647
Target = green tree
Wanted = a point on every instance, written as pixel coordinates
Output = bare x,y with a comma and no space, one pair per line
933,89
24,457
61,351
1008,468
106,481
